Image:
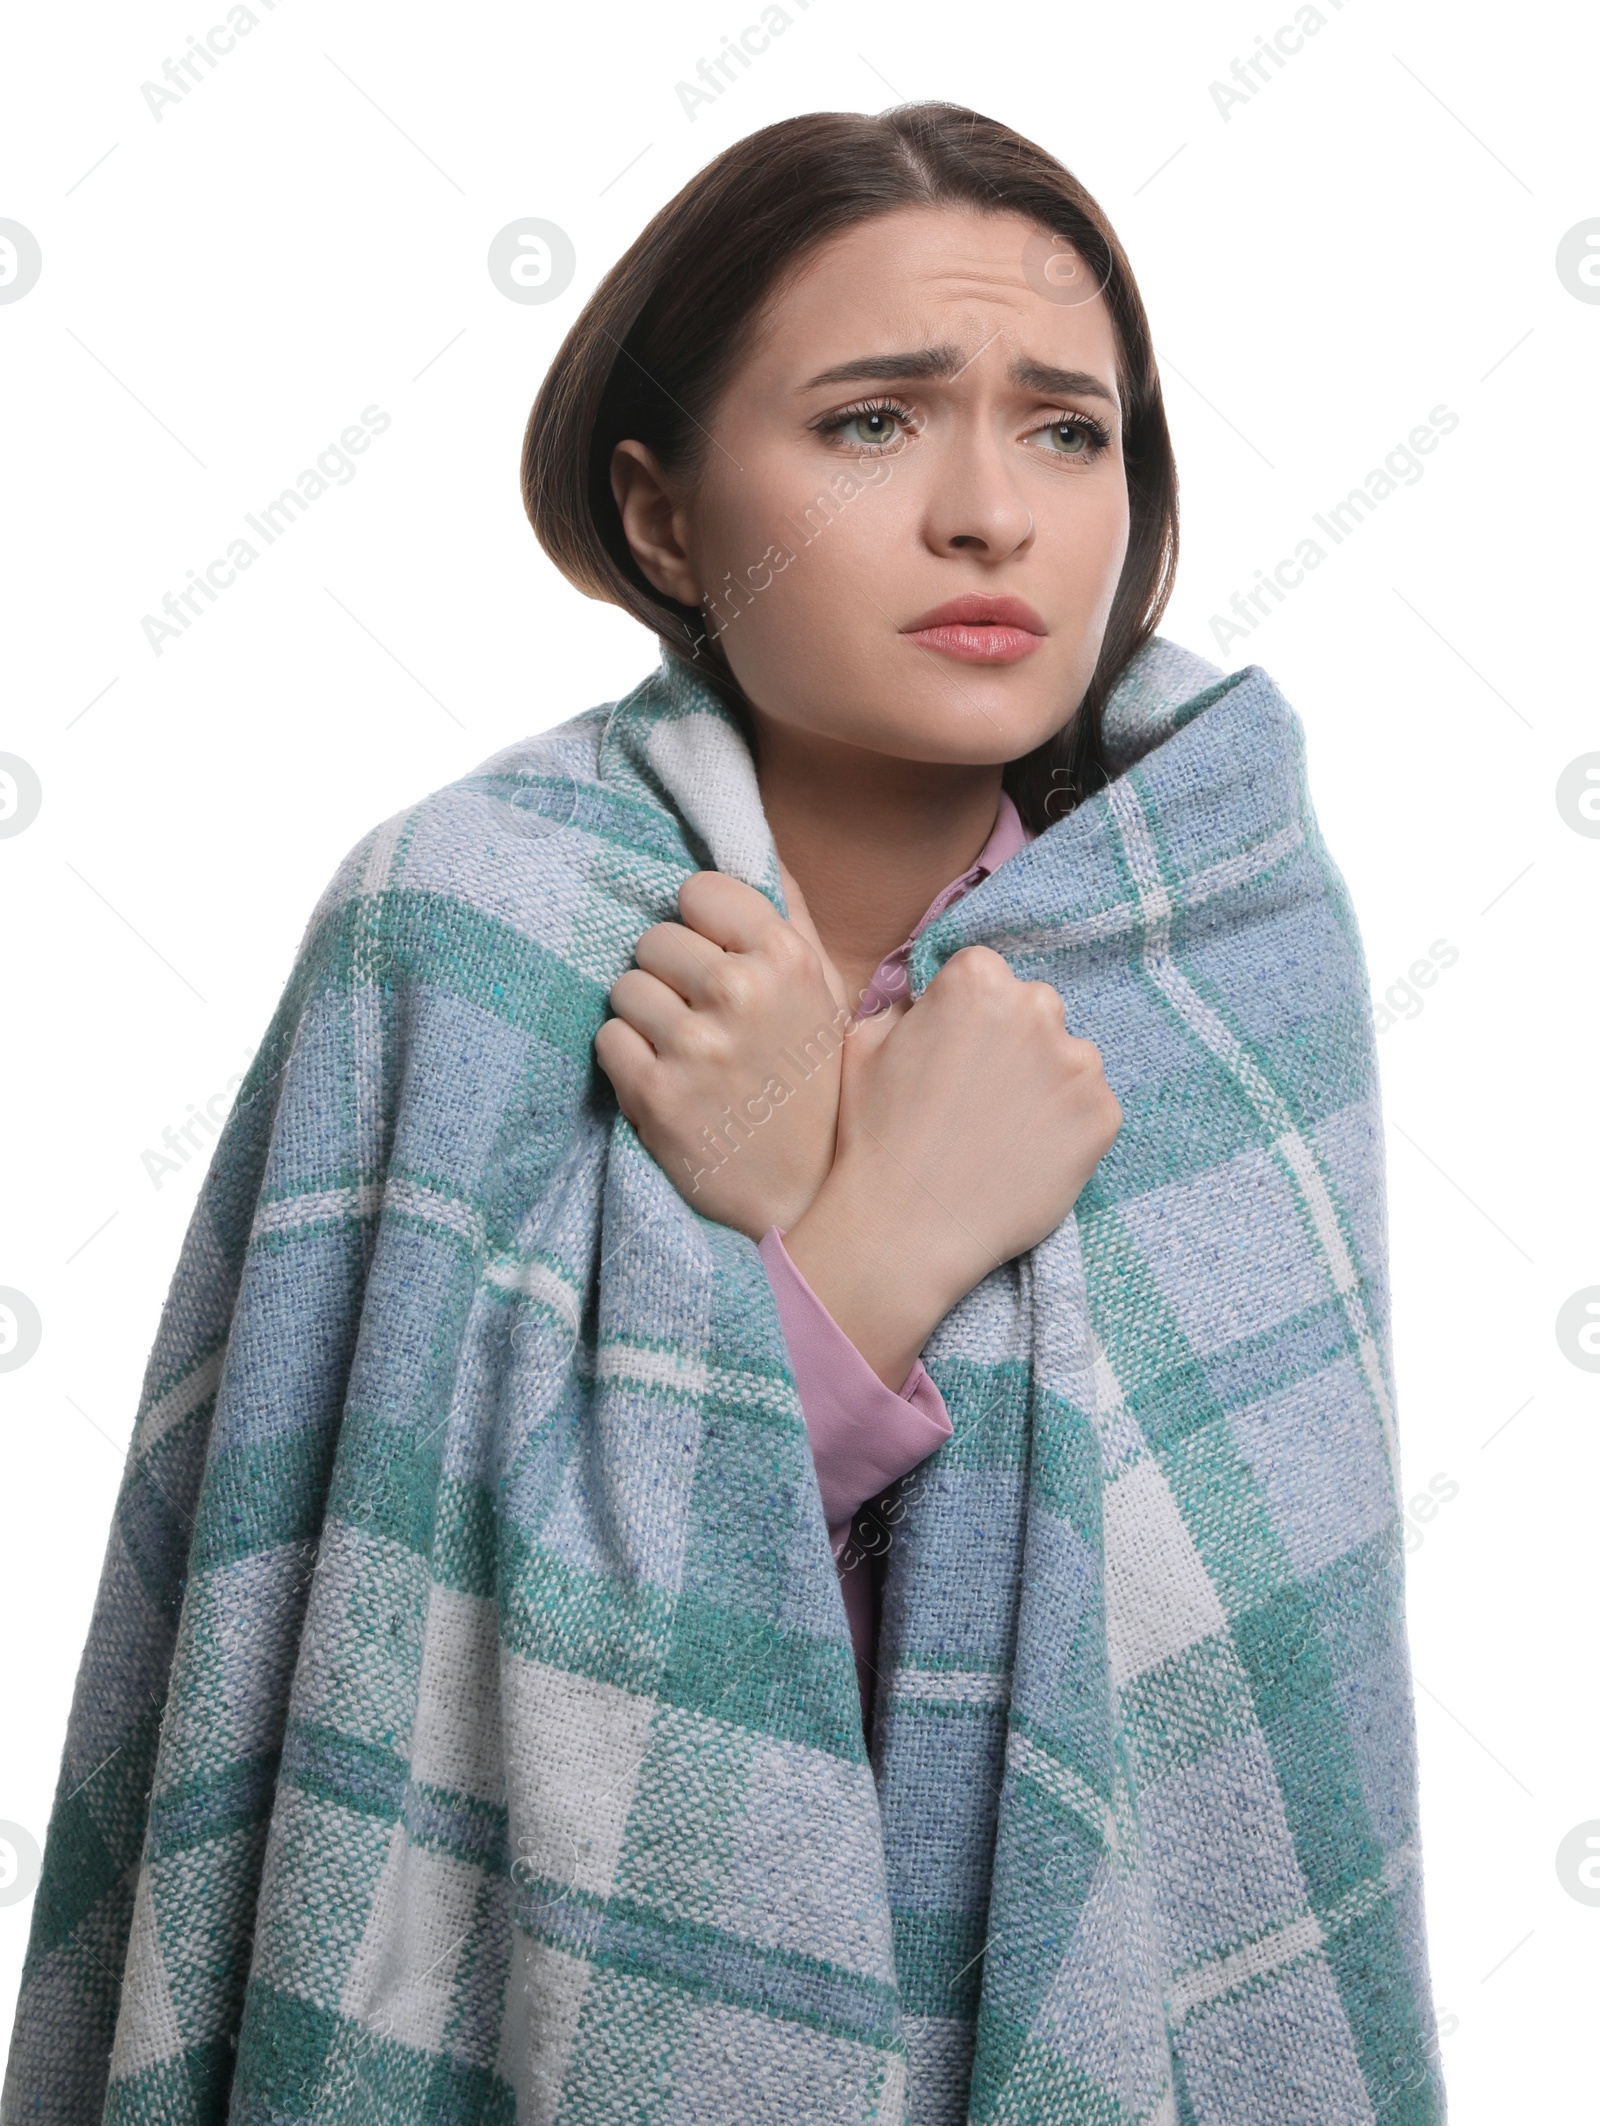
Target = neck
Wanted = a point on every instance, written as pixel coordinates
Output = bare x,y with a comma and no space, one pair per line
870,839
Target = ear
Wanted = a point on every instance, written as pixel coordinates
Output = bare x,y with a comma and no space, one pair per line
655,521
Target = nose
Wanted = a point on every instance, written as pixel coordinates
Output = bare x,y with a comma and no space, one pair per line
975,506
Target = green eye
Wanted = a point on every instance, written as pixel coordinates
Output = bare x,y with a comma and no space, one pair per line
1075,438
1066,438
876,426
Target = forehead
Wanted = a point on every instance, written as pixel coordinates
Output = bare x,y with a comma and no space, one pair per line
925,275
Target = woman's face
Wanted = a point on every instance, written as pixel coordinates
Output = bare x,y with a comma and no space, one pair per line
911,513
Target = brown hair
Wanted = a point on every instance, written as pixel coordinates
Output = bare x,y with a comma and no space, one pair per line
667,326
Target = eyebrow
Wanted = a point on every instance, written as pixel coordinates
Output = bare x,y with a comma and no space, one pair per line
922,363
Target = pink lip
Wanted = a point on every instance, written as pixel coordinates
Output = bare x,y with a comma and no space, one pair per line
980,629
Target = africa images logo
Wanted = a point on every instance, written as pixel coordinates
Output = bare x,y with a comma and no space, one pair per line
335,466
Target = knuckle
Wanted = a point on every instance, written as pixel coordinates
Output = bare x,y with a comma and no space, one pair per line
979,967
729,987
699,886
623,1066
700,1040
786,949
1103,1109
622,988
1085,1059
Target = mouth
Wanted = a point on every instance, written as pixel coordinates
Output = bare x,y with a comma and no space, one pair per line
979,629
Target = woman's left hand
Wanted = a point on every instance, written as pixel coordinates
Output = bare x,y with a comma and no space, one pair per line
724,1053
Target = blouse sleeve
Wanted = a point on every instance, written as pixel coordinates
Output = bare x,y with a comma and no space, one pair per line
864,1436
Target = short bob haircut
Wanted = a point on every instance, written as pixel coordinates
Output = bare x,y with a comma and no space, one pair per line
668,325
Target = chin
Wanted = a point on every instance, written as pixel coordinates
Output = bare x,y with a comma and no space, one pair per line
986,724
959,713
971,740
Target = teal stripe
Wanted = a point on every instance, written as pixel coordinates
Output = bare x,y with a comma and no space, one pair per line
705,1963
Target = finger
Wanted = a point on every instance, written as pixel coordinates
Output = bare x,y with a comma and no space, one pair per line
800,917
866,1036
1049,1002
726,910
680,957
627,1059
648,1006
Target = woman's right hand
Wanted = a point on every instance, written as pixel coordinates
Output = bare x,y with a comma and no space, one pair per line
967,1127
727,1040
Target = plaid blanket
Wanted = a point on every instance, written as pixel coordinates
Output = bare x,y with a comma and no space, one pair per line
468,1728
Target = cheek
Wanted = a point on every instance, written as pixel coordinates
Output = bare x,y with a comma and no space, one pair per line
786,551
1085,529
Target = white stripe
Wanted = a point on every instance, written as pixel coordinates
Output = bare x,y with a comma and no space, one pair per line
1187,1001
1028,1762
1227,872
1300,1937
1353,1907
1295,1152
366,1056
1301,1161
1139,847
950,1686
685,1375
537,1281
1200,886
1238,870
283,1215
1298,1154
1205,1981
366,1005
407,1198
1082,930
177,1404
654,1369
411,1199
1400,1863
385,840
1121,1439
759,1391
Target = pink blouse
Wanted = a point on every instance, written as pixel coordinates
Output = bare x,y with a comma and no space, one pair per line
864,1436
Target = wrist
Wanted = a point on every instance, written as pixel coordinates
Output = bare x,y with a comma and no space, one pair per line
878,1263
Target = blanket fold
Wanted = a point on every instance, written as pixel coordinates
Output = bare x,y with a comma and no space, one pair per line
468,1733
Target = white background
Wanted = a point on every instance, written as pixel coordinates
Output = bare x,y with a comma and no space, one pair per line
303,235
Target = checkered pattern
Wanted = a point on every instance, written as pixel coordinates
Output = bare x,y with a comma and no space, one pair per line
468,1727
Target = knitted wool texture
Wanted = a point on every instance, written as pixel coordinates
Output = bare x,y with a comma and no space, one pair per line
468,1728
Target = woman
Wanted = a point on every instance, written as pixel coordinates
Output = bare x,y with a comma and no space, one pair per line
469,1728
